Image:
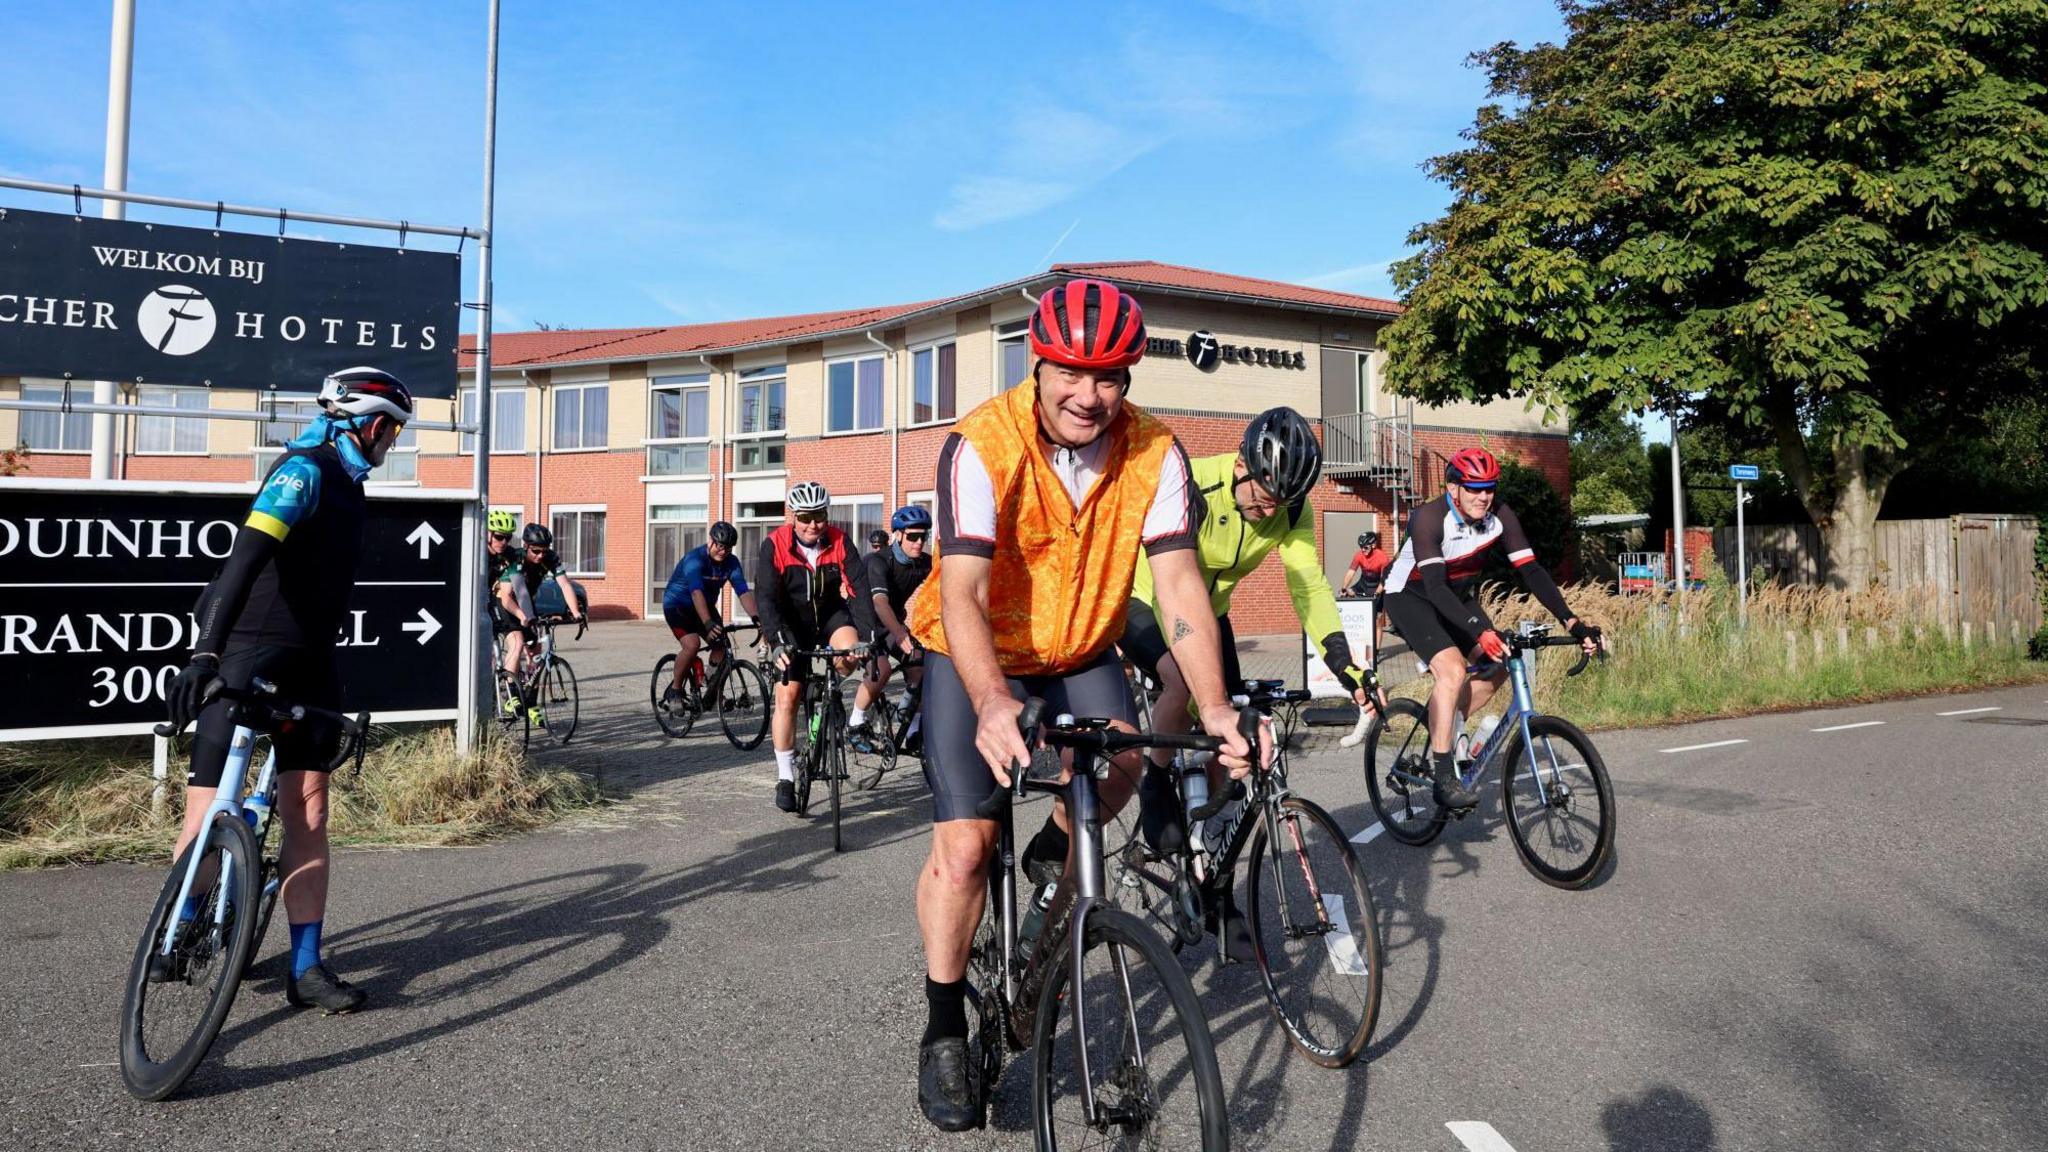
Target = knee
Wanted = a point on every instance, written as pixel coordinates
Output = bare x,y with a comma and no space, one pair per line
1449,669
960,861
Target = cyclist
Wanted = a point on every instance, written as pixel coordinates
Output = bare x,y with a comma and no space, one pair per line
690,602
878,541
1432,601
519,582
499,529
274,611
1368,568
894,575
812,591
1257,503
1046,495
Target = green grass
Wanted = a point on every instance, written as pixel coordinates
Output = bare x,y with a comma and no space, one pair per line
83,801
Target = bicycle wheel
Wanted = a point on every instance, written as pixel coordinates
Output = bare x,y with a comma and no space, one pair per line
268,883
743,704
558,700
1151,1061
1564,829
1397,773
808,750
1315,932
677,713
875,755
166,1028
835,769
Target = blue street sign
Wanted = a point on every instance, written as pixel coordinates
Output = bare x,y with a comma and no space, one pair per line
1743,472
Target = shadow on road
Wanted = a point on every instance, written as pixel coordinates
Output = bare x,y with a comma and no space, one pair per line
1663,1118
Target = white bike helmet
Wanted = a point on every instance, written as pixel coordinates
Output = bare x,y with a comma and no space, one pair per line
809,496
366,392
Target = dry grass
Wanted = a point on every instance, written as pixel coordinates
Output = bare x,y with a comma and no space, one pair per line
90,800
1669,666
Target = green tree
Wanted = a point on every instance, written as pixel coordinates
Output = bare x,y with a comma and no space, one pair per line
1820,219
1610,473
1544,516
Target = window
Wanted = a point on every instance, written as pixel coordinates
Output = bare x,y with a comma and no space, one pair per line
758,456
56,431
857,516
581,412
762,391
932,373
853,395
755,522
679,409
296,413
166,434
579,539
1013,356
672,531
508,419
929,501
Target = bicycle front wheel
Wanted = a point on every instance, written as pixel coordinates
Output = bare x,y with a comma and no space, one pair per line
1151,1063
743,705
168,1024
558,700
835,767
1315,932
1397,773
1560,805
672,708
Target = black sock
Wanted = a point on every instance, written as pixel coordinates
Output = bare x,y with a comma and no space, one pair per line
1050,845
1446,763
945,1010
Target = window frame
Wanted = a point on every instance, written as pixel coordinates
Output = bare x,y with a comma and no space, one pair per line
1017,332
576,571
58,388
657,581
465,444
881,361
857,536
178,394
679,386
933,347
760,378
582,388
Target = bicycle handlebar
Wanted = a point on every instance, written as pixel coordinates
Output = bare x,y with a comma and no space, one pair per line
262,697
1096,737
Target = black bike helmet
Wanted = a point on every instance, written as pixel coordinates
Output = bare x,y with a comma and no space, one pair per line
724,535
538,536
1280,451
1368,540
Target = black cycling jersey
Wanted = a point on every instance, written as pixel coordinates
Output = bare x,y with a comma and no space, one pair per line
895,580
304,536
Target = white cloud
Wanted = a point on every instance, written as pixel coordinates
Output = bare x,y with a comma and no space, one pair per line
1357,278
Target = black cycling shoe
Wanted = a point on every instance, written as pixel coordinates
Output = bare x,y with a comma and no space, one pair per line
943,1093
785,795
1449,792
318,987
1160,818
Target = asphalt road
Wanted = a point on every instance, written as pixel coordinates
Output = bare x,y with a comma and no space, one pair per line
1810,940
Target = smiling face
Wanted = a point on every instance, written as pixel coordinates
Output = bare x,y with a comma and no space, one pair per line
1472,503
1077,405
810,527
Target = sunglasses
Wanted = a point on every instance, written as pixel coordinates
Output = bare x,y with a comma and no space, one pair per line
535,549
811,517
502,537
916,536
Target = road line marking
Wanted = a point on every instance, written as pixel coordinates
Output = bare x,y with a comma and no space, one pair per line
1478,1136
1846,727
1697,747
1344,954
1970,711
1366,834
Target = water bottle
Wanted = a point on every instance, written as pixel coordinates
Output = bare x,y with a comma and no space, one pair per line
1194,789
255,809
1034,922
1462,747
1486,728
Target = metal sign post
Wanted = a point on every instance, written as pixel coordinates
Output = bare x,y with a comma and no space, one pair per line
120,84
1741,473
1677,518
480,656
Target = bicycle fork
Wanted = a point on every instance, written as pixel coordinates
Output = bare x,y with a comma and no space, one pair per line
227,799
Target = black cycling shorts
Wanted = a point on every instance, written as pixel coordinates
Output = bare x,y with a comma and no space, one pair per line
953,768
682,620
303,676
502,622
1143,645
1410,614
799,667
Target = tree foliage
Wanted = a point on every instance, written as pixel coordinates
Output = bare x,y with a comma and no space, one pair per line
1545,518
1820,219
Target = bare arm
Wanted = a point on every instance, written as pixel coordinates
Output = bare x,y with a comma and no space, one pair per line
1190,627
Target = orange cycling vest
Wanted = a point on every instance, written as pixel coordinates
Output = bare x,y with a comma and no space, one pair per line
1061,575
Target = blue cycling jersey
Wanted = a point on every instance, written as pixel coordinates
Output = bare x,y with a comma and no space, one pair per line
698,572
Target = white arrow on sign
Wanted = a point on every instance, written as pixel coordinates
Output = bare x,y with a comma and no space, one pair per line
426,626
425,537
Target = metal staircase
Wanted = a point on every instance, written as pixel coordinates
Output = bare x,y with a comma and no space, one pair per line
1383,452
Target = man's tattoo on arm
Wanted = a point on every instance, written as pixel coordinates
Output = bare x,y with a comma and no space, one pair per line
1181,631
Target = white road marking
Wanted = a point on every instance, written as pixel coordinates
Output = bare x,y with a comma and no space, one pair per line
1344,954
1697,747
1366,834
1970,711
1846,727
1478,1136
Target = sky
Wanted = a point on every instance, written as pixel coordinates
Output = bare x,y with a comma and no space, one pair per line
689,162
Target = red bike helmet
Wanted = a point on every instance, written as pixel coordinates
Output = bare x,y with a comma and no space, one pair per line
1088,324
1472,468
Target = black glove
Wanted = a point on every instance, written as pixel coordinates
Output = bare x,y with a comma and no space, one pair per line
188,691
715,633
1582,631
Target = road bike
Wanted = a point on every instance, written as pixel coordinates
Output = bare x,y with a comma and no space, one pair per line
1314,929
215,904
821,729
1558,801
1136,1066
886,738
543,694
735,688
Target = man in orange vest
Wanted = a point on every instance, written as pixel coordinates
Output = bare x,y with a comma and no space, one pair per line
1046,496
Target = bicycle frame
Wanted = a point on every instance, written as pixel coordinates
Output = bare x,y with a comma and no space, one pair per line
227,798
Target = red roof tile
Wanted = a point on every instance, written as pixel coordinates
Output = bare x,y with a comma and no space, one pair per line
1200,280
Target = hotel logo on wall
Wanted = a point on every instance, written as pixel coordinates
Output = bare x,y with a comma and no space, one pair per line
94,299
1204,351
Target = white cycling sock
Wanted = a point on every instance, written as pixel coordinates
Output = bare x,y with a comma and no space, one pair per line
785,764
916,722
856,718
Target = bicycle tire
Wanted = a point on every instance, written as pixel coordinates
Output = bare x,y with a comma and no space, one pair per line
1585,775
146,1077
266,903
1190,1070
835,767
558,695
809,749
1406,809
1333,1022
743,704
678,718
880,758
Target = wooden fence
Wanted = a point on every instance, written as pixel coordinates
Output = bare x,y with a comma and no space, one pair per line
1974,568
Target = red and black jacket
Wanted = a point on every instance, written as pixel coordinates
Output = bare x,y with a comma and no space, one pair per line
797,597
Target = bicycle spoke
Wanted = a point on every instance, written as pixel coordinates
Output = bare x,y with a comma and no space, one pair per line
1315,934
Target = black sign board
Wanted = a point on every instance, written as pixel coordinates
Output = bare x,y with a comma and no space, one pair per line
100,587
94,299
